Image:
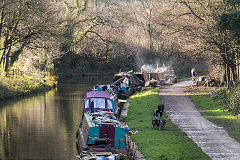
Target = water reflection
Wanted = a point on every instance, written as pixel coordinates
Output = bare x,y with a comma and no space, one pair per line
43,126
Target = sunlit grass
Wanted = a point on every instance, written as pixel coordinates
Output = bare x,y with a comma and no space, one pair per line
170,143
145,93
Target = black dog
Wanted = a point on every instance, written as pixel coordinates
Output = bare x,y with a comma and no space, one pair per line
160,110
158,120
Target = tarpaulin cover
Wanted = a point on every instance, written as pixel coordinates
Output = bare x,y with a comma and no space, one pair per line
97,94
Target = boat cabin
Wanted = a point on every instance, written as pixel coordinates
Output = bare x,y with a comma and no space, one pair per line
100,101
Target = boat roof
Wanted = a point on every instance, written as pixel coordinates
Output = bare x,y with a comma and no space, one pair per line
97,94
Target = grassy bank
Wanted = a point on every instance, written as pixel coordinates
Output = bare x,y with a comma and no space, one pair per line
212,111
17,86
170,143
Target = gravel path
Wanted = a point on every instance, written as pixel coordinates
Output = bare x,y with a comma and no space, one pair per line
213,140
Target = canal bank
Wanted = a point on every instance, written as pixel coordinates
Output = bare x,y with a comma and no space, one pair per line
18,86
134,148
169,143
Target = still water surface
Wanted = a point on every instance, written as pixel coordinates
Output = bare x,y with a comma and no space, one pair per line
44,126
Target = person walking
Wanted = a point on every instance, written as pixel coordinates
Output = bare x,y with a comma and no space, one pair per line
193,72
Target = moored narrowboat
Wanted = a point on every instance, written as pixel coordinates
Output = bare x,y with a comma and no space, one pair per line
112,89
100,130
128,83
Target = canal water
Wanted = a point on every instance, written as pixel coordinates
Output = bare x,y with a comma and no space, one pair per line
44,126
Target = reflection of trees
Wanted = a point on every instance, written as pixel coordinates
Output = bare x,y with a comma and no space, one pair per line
18,121
70,110
7,130
43,126
2,126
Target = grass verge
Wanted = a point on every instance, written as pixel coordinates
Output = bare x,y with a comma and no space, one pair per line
168,144
17,86
183,79
212,111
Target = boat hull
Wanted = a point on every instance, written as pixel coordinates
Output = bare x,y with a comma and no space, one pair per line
100,136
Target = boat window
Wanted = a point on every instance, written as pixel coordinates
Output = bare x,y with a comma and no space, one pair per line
115,105
98,102
123,85
87,103
109,104
125,82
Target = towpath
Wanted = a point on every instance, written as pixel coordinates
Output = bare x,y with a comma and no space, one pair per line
213,140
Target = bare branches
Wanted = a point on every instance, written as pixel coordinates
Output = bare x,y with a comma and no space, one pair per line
191,10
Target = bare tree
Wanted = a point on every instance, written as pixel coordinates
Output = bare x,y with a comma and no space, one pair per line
23,24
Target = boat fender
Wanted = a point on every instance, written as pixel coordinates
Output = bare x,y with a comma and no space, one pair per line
127,129
111,157
102,158
78,157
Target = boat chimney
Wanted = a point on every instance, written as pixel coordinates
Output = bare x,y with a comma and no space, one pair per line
141,69
92,107
157,66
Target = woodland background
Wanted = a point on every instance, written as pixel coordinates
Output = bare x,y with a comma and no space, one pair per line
65,37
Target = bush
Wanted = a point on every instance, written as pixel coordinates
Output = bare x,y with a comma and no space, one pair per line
16,86
230,99
222,95
234,106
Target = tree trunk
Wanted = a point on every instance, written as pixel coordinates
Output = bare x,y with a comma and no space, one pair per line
5,44
3,61
238,72
149,29
225,73
3,55
234,74
7,61
228,76
1,22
